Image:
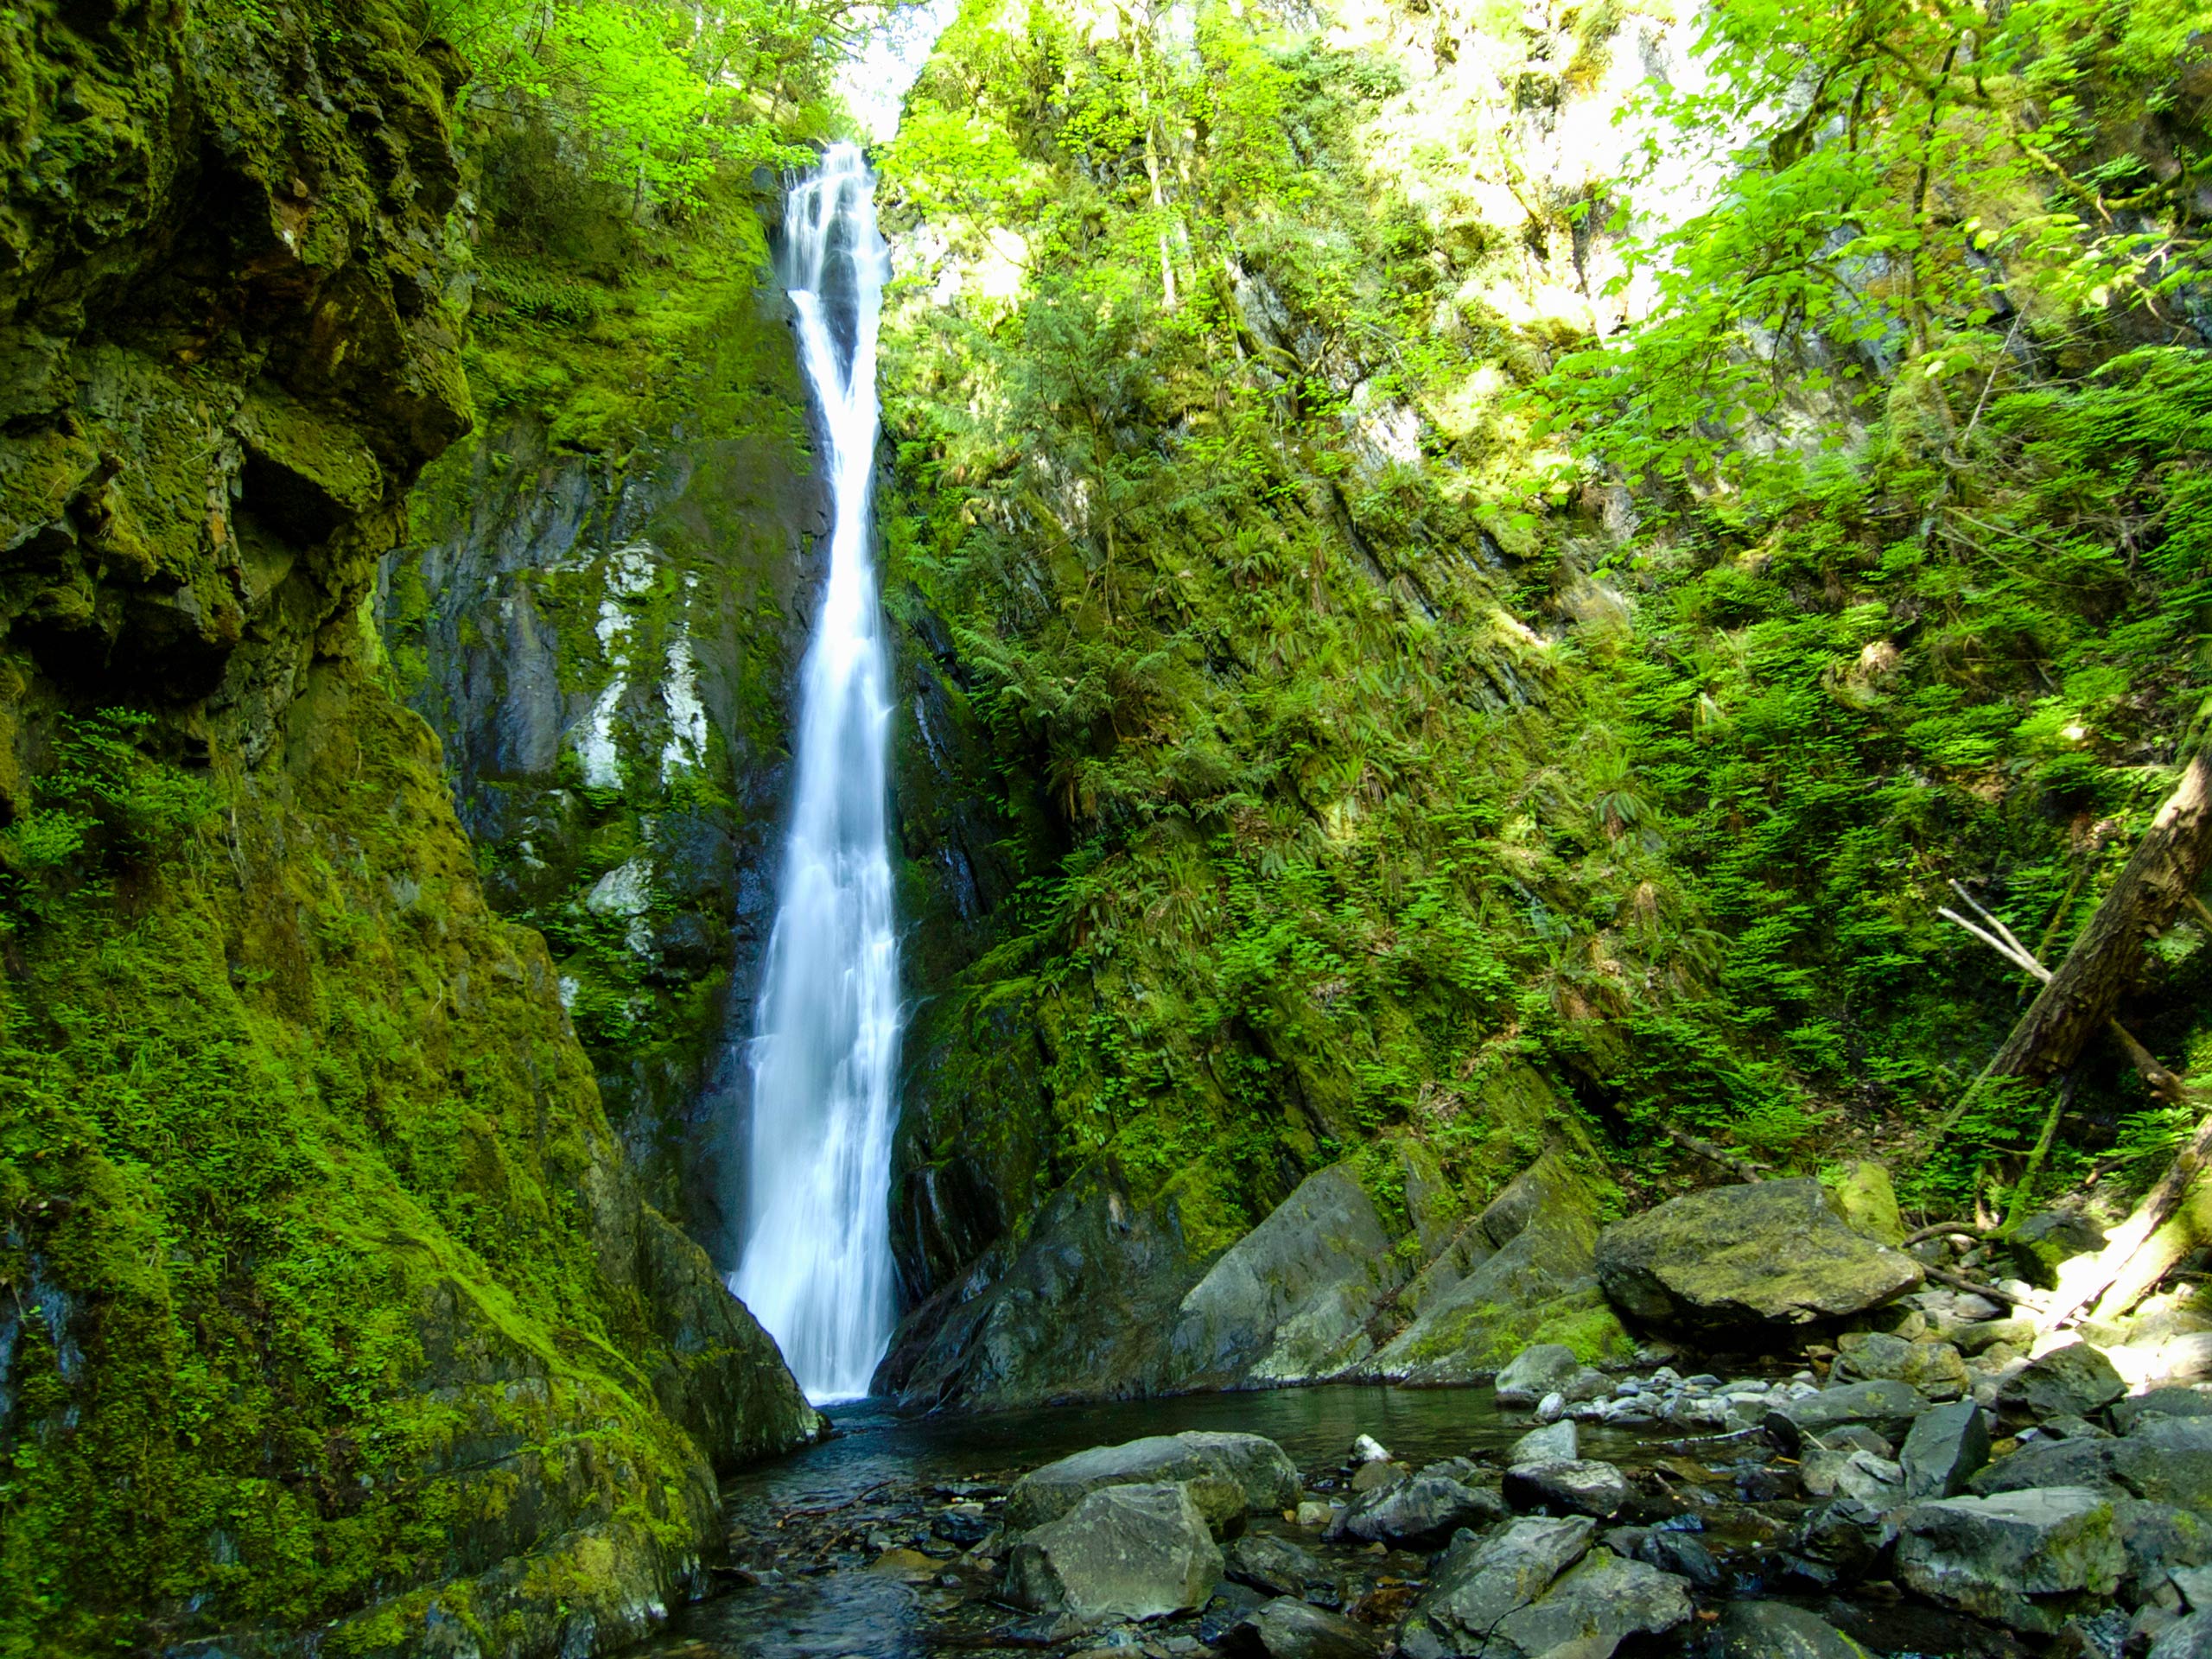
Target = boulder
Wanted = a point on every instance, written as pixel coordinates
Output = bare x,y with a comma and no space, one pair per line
2187,1638
1479,1581
2165,1460
1592,1608
2161,1402
1538,1285
1683,1554
2071,1381
1122,1553
1281,1569
1869,1203
1875,1482
1420,1512
1933,1367
1534,1372
1289,1629
1256,1467
2163,1542
1775,1630
1766,1254
1944,1449
1556,1442
1888,1407
1840,1543
1290,1301
2027,1560
1574,1486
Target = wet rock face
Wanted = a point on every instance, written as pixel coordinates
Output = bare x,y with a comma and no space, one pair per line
1766,1254
609,652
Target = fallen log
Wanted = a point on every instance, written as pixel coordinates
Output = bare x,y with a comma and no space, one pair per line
2106,955
2138,1253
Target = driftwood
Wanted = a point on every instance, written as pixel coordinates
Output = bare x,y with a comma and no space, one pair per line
1960,1281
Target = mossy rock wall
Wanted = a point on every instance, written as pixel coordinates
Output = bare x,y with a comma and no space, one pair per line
335,1311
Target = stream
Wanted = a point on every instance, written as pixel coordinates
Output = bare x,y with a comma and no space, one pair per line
834,1607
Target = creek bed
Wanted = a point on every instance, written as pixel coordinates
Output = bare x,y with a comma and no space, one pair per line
809,1532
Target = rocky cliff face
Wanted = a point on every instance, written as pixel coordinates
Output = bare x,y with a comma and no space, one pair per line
335,1305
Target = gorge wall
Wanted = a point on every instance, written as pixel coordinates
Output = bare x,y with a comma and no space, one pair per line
337,1319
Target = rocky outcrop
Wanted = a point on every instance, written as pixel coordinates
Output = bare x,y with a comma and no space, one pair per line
1767,1254
1536,1284
351,1319
1293,1299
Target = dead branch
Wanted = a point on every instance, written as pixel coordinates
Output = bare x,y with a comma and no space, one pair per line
1704,1149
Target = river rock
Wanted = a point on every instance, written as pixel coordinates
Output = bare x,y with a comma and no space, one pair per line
1573,1486
1422,1511
2186,1638
1289,1629
1592,1608
1840,1543
1558,1442
1281,1569
2027,1560
1933,1367
1291,1301
1122,1552
1534,1372
1888,1407
1538,1280
1769,1253
2163,1542
2160,1402
1256,1466
1944,1449
1374,1477
2071,1381
1683,1554
1478,1581
1775,1630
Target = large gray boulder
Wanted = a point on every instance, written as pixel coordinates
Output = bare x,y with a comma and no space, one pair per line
1122,1553
1291,1301
1887,1408
2068,1381
1255,1467
1769,1253
1280,1567
2161,1460
1597,1604
2028,1559
1422,1511
1537,1284
1479,1581
1575,1486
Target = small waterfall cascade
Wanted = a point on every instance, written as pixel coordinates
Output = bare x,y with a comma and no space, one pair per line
816,1268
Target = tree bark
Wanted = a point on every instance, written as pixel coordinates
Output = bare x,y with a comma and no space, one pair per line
2139,1252
2107,957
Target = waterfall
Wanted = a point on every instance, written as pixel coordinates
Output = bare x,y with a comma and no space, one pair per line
816,1268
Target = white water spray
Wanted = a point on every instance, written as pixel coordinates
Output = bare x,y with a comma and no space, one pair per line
817,1266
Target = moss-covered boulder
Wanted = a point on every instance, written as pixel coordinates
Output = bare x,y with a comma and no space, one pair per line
1766,1254
1537,1285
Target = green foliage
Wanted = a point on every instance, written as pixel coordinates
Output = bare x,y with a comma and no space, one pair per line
661,96
1341,833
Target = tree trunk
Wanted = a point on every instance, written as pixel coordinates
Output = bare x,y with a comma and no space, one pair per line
2107,957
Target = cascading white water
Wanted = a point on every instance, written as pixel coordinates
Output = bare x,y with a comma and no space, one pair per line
816,1268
